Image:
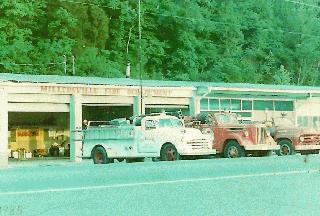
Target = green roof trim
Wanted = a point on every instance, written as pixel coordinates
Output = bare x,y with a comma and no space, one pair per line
258,95
151,83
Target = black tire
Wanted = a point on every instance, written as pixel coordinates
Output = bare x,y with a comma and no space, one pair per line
233,150
286,148
99,155
134,160
169,153
120,159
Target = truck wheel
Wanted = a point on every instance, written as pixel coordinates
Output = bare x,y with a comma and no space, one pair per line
169,153
286,148
99,155
233,150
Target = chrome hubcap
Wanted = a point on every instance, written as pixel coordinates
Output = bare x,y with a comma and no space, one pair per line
98,157
171,154
233,152
285,150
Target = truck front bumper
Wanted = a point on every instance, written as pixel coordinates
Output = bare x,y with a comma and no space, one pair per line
197,152
307,147
261,147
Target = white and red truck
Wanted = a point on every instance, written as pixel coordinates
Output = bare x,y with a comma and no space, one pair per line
157,136
233,139
292,139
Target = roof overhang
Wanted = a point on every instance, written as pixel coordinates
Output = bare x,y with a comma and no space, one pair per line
255,93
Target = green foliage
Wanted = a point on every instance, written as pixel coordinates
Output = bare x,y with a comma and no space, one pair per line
253,41
17,21
282,76
93,64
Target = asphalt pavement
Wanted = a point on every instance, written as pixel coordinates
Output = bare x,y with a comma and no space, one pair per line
245,186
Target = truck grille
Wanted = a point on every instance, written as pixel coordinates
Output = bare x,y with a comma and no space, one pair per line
199,144
311,139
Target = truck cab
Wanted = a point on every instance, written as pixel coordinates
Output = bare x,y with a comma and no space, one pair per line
292,138
156,136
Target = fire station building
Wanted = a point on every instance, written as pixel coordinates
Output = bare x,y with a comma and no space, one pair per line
40,114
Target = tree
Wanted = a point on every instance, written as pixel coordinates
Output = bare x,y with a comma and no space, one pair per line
253,41
282,76
18,20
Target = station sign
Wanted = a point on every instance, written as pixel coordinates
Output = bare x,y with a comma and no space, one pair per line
120,91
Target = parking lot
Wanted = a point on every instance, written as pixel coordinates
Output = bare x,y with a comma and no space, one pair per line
245,186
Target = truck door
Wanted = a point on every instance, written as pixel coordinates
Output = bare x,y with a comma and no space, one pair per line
148,142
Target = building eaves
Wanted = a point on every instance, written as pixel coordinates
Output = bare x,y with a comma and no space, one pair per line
10,77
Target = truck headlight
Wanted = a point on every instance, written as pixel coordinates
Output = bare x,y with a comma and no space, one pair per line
206,131
246,133
301,139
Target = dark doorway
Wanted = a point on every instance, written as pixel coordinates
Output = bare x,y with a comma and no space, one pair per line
106,113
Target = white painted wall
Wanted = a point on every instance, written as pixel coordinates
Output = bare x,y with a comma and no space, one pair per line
309,107
37,107
75,125
260,115
3,128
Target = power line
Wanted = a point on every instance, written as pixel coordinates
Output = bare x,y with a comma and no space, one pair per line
140,57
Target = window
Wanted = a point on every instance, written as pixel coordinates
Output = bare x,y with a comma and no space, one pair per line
302,121
150,124
309,121
283,105
246,105
173,110
235,104
170,123
213,104
204,104
316,122
262,105
225,104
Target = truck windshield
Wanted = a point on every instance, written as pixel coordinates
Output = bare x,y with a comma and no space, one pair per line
227,119
170,123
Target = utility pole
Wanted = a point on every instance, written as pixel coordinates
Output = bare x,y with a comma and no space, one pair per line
65,64
73,66
140,57
128,70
